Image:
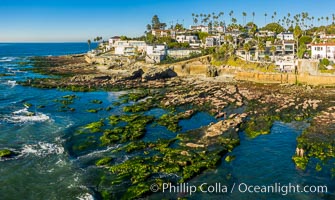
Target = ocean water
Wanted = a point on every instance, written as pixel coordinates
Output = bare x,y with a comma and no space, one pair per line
50,166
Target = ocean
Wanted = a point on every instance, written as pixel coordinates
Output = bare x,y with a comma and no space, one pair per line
51,165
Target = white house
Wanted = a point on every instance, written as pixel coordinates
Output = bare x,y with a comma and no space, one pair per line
155,53
160,33
265,34
182,53
112,40
323,50
212,41
285,36
201,28
193,40
129,47
327,36
285,47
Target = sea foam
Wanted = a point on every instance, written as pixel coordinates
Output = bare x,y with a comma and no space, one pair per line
23,116
42,149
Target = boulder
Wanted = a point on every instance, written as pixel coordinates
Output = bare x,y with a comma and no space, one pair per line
158,73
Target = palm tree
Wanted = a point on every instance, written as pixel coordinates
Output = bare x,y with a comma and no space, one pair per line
231,14
318,21
260,47
273,17
265,18
327,18
275,14
273,50
333,18
253,17
193,15
244,17
246,48
89,44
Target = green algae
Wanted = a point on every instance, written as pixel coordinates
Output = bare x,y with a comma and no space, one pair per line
94,127
171,120
103,161
96,101
133,129
94,110
5,153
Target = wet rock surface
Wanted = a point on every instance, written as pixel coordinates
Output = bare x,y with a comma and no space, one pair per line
238,106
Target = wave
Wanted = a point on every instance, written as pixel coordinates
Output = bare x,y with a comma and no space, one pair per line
85,196
23,116
7,59
42,149
11,83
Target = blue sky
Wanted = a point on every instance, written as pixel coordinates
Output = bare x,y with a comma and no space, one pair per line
79,20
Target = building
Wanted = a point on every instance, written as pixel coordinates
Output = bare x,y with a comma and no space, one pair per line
327,36
213,41
201,28
129,47
112,40
323,50
182,53
285,36
160,33
193,40
155,53
265,34
285,47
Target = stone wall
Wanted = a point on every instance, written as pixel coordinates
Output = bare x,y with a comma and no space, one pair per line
285,78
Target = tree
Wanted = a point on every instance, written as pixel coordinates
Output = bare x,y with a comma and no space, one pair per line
231,14
148,27
155,23
260,47
244,17
89,44
246,48
265,17
253,17
273,50
179,27
274,27
297,33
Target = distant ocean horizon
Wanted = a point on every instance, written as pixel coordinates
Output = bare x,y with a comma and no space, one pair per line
22,49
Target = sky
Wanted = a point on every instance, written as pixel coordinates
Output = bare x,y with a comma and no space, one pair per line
80,20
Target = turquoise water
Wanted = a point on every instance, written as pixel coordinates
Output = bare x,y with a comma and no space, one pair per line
48,165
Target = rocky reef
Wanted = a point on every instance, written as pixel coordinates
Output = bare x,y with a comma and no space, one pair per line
134,164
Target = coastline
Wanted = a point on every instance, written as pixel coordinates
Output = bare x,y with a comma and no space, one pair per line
238,105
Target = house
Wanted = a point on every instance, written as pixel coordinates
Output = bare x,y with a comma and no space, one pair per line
213,41
129,47
201,28
182,53
323,50
327,36
155,53
193,40
112,40
160,33
265,34
285,36
285,47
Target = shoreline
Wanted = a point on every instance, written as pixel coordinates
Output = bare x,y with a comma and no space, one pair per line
238,105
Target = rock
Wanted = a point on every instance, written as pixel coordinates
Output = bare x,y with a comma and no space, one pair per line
193,145
158,73
134,74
